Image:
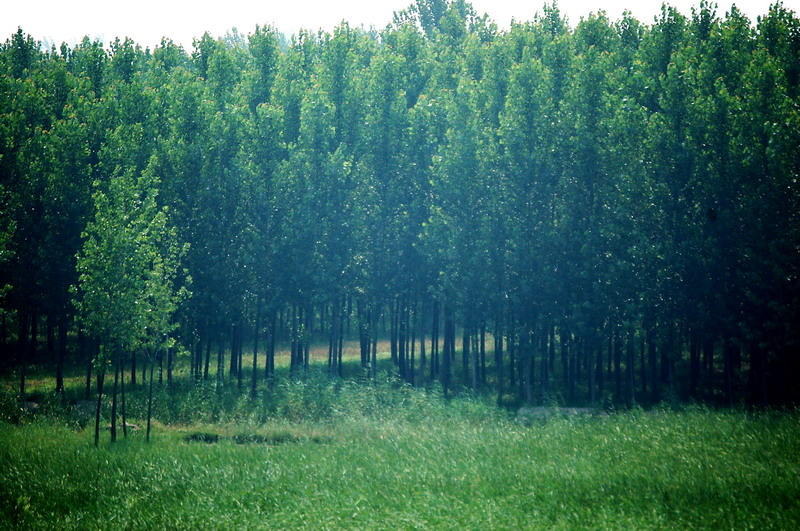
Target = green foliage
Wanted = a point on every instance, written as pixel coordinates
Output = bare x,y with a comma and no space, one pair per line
128,286
576,193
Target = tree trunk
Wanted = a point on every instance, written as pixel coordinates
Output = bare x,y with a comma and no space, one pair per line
254,383
422,354
708,361
728,372
498,353
449,345
435,342
475,364
393,318
482,347
208,356
599,369
114,397
51,336
133,368
33,345
170,364
101,375
652,356
643,366
62,351
92,352
122,386
412,326
544,372
465,353
589,351
694,364
618,364
220,359
22,351
374,355
150,402
307,347
630,369
233,368
270,369
402,338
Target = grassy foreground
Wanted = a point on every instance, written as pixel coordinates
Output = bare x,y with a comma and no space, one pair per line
386,456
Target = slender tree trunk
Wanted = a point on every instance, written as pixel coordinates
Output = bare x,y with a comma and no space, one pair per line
208,356
307,348
498,353
482,346
101,375
694,364
592,371
3,335
114,396
435,342
449,346
465,353
51,336
221,359
240,353
666,354
422,354
412,325
512,354
122,388
393,332
271,352
133,368
643,366
526,353
62,351
475,364
170,364
254,383
233,364
22,351
340,346
150,401
33,344
374,326
728,372
652,356
708,355
617,364
599,369
630,355
91,354
544,350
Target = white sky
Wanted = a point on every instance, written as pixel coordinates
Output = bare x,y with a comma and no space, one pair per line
146,21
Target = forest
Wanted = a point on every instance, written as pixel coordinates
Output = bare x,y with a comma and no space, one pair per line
602,213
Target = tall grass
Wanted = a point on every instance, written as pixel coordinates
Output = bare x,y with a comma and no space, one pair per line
322,453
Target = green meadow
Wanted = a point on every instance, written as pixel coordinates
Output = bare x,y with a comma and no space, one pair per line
318,453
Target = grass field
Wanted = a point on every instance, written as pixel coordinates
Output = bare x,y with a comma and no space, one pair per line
322,454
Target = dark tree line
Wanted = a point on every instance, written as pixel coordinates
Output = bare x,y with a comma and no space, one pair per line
601,211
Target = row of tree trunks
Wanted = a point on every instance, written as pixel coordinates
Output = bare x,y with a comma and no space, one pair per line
524,354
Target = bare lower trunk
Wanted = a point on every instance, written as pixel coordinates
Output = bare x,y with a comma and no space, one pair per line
150,401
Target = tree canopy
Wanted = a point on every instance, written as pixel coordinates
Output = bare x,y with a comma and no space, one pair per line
616,203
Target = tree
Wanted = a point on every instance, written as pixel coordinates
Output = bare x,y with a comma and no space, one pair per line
127,288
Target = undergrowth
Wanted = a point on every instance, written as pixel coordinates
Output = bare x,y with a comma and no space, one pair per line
320,453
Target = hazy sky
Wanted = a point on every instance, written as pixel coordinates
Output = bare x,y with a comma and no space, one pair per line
146,21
